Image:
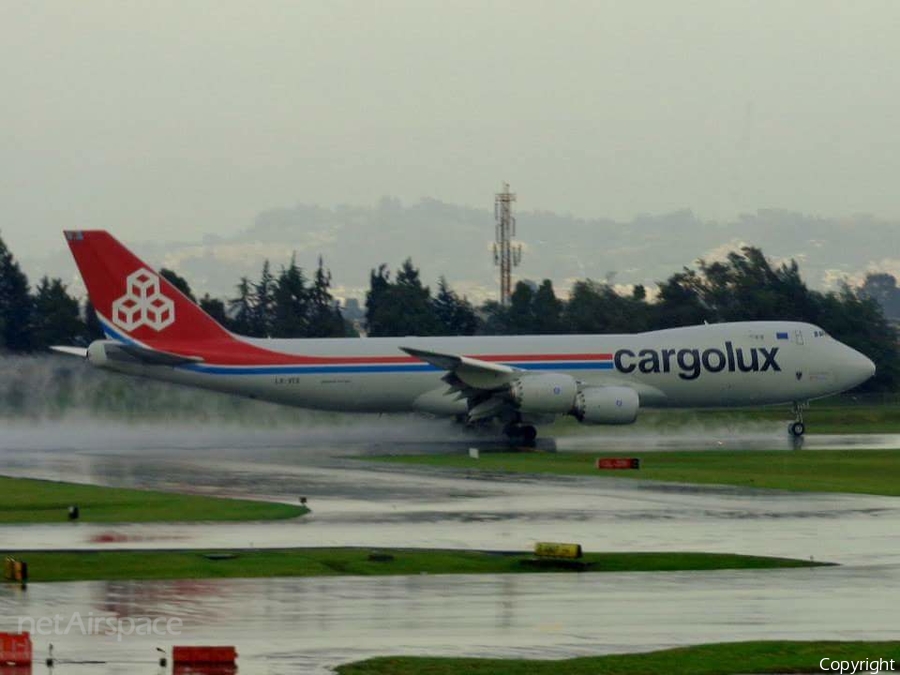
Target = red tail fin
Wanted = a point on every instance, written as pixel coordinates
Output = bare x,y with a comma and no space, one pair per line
131,299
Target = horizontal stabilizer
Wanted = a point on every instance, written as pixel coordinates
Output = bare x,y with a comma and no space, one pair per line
110,350
150,357
70,351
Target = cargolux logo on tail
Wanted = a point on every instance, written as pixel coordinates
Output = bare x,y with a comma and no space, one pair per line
143,304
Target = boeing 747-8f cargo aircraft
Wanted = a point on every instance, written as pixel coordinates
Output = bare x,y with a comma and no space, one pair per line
154,331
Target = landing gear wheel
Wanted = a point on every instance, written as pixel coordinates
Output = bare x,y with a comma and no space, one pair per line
797,429
528,433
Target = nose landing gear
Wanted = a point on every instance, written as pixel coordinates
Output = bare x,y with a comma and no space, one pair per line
797,428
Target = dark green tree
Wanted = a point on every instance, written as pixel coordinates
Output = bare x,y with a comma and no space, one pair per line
547,310
216,309
882,288
456,315
520,318
57,320
595,307
744,287
263,316
291,303
92,325
376,297
15,305
639,293
325,318
178,282
495,319
402,307
531,311
242,309
680,301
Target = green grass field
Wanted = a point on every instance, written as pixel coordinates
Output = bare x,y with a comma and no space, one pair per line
23,500
863,471
120,565
713,659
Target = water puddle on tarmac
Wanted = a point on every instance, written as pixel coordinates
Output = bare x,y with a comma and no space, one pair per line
312,624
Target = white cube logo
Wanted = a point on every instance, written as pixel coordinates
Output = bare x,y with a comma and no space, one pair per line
143,304
143,284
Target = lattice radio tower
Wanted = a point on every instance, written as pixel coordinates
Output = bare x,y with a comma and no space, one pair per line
506,255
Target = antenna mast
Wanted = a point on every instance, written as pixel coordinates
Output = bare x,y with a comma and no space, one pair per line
506,255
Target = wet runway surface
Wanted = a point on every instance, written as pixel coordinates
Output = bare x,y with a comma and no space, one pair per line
291,625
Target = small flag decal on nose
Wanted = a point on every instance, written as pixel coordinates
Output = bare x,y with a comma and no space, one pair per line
781,336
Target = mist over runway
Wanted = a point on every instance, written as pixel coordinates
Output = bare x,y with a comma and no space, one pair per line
360,503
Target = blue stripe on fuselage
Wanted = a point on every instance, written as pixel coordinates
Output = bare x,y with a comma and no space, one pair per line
375,368
112,334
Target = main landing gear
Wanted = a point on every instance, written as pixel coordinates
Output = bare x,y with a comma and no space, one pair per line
797,428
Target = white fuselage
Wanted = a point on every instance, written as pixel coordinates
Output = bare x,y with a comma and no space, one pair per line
735,364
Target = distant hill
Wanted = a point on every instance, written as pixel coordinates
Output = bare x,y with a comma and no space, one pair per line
455,241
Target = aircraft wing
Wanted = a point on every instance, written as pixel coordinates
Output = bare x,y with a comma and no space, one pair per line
482,383
474,373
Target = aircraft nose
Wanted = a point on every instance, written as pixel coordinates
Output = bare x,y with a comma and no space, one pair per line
868,367
857,367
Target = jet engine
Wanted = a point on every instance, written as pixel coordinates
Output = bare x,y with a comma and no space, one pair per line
549,393
606,405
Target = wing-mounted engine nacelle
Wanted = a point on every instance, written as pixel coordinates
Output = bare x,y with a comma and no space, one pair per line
606,405
551,393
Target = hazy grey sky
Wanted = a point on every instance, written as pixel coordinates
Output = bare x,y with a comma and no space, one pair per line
170,119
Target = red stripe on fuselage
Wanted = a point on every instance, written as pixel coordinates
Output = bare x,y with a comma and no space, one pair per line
237,353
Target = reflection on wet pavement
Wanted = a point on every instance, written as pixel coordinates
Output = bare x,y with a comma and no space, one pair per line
292,625
285,625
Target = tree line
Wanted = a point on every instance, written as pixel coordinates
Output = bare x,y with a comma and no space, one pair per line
743,287
288,303
281,305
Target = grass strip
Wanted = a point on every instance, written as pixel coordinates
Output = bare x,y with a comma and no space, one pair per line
860,471
25,500
312,562
822,417
710,659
